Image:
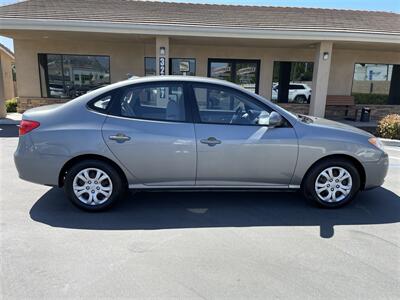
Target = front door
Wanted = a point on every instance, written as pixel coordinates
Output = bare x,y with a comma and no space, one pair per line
232,148
149,134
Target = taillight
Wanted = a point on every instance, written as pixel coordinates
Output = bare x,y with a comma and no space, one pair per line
26,126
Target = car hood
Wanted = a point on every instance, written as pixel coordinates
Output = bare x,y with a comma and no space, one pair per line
325,123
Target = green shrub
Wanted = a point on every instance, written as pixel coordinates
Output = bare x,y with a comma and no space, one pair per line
389,127
370,98
11,105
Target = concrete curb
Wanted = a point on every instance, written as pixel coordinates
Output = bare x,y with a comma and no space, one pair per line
389,142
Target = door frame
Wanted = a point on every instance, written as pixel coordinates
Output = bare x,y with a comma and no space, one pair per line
234,62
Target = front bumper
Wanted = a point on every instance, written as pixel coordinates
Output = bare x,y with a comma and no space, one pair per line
375,172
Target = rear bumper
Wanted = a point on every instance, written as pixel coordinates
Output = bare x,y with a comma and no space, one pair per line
36,167
375,172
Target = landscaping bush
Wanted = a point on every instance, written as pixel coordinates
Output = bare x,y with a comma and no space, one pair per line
11,105
389,127
370,98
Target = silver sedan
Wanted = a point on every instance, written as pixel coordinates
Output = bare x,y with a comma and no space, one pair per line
175,132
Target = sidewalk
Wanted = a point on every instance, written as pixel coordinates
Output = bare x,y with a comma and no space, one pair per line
11,119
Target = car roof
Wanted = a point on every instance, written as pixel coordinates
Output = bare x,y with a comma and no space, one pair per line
184,78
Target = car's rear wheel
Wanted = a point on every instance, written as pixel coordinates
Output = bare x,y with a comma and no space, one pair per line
93,185
332,183
300,99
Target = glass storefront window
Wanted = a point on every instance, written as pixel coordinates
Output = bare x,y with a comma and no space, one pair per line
182,66
292,82
242,72
372,83
150,66
69,76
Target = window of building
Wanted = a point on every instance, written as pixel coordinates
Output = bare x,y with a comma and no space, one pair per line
163,101
292,82
182,66
376,83
69,76
226,106
150,66
245,73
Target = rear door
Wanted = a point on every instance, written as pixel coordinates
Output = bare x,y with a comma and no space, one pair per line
150,132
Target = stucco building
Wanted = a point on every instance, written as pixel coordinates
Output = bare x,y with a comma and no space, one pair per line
7,90
65,48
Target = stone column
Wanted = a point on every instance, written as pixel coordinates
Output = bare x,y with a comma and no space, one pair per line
322,66
162,55
3,111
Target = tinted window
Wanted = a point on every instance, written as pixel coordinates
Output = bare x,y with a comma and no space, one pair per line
69,76
101,103
162,101
296,87
149,66
226,106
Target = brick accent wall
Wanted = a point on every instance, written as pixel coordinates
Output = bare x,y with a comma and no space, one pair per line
338,112
27,103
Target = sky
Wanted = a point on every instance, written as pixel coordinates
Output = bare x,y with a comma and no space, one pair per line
381,5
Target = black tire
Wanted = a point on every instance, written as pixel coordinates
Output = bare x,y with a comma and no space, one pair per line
300,99
118,186
308,185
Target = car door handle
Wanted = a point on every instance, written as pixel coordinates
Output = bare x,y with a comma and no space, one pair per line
119,137
211,141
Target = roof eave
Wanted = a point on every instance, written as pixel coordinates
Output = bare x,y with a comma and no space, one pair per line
200,31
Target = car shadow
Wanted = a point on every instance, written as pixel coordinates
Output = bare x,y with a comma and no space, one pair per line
166,210
8,131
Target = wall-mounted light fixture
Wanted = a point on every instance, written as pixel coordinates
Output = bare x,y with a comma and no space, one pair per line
325,56
162,51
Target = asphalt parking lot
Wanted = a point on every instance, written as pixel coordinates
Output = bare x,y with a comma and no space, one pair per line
197,245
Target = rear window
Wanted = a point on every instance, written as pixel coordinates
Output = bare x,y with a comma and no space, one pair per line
101,103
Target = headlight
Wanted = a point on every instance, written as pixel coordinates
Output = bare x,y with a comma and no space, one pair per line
376,142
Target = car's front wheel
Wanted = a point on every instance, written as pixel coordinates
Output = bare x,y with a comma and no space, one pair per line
332,183
93,185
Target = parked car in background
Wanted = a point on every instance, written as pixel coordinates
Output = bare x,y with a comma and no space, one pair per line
181,132
298,92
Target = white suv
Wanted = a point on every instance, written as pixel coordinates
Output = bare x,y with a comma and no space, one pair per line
298,92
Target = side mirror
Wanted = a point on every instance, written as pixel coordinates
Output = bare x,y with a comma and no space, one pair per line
275,119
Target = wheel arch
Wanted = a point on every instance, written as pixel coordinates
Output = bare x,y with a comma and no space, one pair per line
349,158
76,159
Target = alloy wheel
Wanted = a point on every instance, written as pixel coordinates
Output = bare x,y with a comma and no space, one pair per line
92,186
333,184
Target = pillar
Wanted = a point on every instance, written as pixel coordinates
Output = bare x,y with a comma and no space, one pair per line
322,66
162,55
394,92
3,111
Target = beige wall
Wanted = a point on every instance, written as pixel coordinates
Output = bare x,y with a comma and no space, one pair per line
125,58
128,57
342,68
6,81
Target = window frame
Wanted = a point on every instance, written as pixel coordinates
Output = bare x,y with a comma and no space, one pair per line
46,71
196,111
234,63
115,108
